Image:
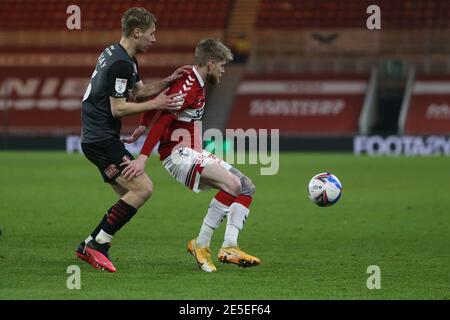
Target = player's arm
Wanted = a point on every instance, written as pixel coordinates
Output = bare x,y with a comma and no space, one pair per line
143,91
121,108
137,166
145,120
118,76
149,118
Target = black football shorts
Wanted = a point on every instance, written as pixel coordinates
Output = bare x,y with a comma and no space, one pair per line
107,155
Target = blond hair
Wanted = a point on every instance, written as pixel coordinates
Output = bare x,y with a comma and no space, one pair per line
210,49
137,17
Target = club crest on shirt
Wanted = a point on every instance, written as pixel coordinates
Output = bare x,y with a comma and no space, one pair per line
121,85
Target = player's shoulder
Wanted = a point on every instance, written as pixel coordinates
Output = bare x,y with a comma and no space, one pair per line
178,83
186,76
120,67
190,80
115,52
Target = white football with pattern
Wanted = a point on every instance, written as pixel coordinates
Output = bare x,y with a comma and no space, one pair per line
324,189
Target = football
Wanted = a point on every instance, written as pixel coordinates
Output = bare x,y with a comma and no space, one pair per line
324,189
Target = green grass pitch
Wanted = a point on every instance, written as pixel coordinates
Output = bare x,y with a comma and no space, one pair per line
394,213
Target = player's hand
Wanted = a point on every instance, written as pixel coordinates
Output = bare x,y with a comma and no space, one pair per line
171,102
178,73
139,131
134,168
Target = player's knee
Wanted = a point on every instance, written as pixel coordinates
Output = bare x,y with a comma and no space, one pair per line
147,191
144,191
247,186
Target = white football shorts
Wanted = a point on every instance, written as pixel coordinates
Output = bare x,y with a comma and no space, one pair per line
186,164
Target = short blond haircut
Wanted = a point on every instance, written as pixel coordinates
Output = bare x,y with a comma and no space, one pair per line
137,17
210,49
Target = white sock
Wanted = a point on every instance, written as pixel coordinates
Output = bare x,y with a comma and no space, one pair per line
103,237
236,219
217,211
88,239
231,236
204,237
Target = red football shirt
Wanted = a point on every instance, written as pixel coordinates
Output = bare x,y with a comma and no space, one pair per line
176,129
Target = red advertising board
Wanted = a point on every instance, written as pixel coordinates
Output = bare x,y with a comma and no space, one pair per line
300,105
429,108
48,99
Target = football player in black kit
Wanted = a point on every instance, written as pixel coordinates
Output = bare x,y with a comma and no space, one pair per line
105,102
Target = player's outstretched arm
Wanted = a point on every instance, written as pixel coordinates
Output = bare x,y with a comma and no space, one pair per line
147,119
142,92
121,108
136,167
139,131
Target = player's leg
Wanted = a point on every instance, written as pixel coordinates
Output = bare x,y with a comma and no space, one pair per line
120,191
108,156
216,176
229,184
218,210
186,166
139,190
199,247
198,171
213,174
239,209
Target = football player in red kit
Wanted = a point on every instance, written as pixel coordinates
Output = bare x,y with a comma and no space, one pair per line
182,156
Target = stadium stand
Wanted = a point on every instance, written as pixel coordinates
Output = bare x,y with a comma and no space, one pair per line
46,101
315,36
307,14
275,43
34,39
104,15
